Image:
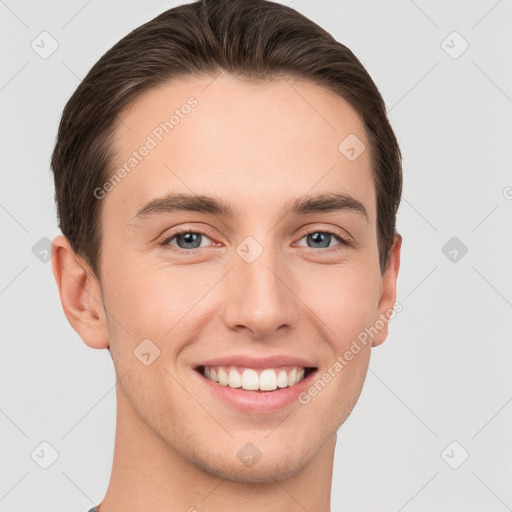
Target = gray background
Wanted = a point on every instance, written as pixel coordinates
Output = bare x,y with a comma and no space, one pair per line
442,376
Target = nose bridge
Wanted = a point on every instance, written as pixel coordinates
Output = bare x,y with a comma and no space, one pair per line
259,299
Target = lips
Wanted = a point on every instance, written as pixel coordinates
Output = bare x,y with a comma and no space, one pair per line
246,361
257,389
262,384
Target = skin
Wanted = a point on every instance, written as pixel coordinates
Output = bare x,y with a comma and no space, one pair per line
175,445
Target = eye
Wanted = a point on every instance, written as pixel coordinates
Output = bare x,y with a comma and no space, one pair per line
322,239
186,240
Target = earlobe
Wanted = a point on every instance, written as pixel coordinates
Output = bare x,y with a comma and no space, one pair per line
388,296
80,294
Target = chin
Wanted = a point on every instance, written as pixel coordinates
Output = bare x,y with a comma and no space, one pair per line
263,472
274,462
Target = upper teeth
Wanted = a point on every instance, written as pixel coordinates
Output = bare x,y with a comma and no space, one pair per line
252,379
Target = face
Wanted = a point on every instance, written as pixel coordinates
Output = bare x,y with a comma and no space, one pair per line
269,264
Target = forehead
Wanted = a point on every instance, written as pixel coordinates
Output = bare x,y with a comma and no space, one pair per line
219,136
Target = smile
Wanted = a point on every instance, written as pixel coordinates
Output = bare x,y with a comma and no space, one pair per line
267,391
255,379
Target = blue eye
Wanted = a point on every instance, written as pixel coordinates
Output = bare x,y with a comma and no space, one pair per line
186,239
323,239
189,241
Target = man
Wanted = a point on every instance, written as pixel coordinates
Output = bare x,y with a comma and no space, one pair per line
227,186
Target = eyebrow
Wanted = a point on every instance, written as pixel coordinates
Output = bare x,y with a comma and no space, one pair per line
322,203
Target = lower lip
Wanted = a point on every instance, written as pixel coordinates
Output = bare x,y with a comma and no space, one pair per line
257,401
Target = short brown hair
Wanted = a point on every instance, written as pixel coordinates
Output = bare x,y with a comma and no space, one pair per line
254,40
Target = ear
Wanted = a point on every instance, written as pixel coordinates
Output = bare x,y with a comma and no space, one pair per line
80,294
388,294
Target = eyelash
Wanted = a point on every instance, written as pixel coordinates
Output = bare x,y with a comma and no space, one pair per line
344,241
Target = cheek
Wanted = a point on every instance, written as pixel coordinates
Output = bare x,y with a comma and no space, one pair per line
146,295
158,303
344,300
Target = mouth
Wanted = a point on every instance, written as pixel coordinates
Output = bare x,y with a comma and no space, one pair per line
256,380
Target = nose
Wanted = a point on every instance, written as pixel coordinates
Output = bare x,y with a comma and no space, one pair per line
260,300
